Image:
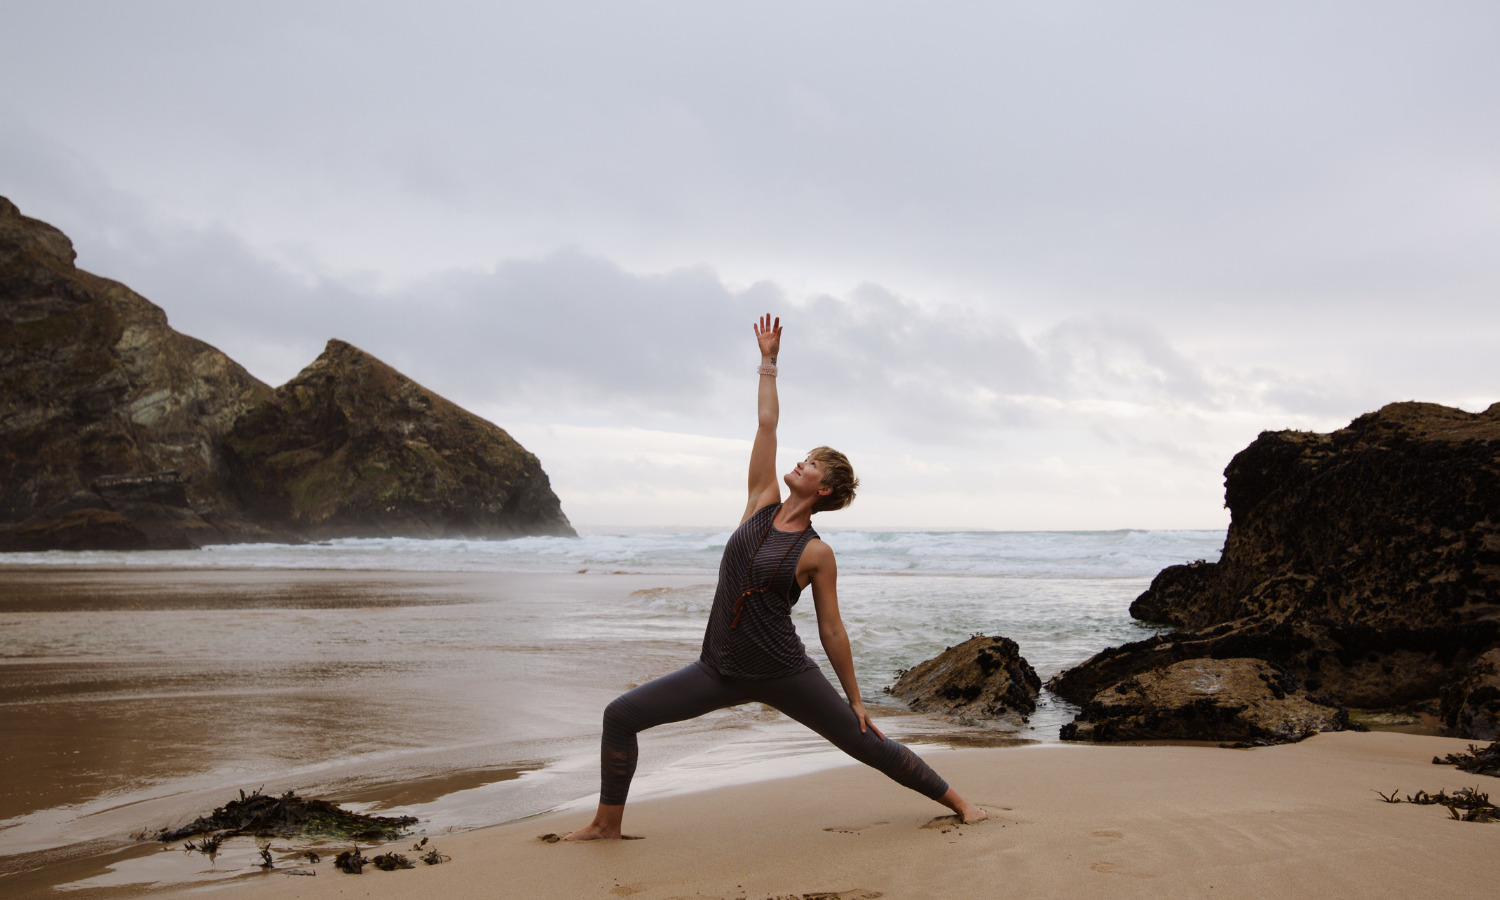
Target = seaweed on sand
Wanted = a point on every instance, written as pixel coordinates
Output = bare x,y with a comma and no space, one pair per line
208,845
262,815
431,857
1479,762
351,862
390,862
1464,804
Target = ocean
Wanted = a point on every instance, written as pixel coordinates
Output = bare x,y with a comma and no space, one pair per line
461,680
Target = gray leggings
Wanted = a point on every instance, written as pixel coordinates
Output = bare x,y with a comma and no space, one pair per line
697,689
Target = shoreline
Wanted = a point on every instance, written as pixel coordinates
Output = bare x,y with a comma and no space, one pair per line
1300,820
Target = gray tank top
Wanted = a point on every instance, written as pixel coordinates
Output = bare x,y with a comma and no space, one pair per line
750,632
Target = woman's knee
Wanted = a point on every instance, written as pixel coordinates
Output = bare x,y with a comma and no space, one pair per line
621,717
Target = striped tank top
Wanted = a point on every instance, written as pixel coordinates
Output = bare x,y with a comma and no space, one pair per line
750,632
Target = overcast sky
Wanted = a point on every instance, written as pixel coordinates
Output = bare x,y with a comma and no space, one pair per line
1041,265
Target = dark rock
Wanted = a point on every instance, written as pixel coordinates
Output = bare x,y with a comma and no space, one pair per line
1471,703
352,447
115,431
1356,665
1246,700
79,529
983,681
1392,522
1365,561
1174,588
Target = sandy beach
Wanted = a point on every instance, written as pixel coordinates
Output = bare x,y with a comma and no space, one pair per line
138,699
1124,821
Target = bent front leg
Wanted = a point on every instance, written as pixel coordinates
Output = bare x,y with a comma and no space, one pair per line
685,694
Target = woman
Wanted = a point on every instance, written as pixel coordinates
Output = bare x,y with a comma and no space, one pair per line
751,651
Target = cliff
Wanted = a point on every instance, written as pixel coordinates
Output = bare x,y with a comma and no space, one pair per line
115,431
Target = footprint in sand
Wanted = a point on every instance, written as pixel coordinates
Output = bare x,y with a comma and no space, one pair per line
551,838
1114,868
853,829
946,824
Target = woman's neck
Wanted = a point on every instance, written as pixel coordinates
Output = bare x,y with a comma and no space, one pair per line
795,514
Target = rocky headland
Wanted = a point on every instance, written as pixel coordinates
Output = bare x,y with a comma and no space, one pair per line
1363,564
117,432
351,447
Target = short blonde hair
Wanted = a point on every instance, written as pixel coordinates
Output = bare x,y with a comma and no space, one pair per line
838,475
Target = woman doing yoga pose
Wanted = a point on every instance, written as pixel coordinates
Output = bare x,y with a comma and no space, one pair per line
751,651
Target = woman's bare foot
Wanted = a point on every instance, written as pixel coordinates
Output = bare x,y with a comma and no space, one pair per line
967,812
592,832
605,827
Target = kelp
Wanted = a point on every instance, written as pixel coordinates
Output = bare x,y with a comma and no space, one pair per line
1464,804
1475,760
351,862
262,815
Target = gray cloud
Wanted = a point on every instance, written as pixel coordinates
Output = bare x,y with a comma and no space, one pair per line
1149,230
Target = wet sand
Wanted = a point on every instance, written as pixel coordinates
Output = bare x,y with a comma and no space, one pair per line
134,699
1297,821
137,699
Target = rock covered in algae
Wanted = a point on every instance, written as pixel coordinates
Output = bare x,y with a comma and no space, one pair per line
1246,700
983,681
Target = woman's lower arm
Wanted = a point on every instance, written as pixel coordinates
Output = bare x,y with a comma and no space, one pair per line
841,657
768,408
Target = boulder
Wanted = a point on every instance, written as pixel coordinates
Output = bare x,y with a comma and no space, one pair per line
1355,665
1471,703
350,446
1243,700
983,681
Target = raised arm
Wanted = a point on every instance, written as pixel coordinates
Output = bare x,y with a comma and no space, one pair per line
764,489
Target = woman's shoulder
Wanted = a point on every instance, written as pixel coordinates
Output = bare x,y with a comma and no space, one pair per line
817,552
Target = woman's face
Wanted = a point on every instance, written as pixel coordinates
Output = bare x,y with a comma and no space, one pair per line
805,477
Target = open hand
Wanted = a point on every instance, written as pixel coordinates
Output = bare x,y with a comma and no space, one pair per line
768,335
864,720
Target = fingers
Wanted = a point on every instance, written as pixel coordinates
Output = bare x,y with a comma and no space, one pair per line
765,325
864,722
